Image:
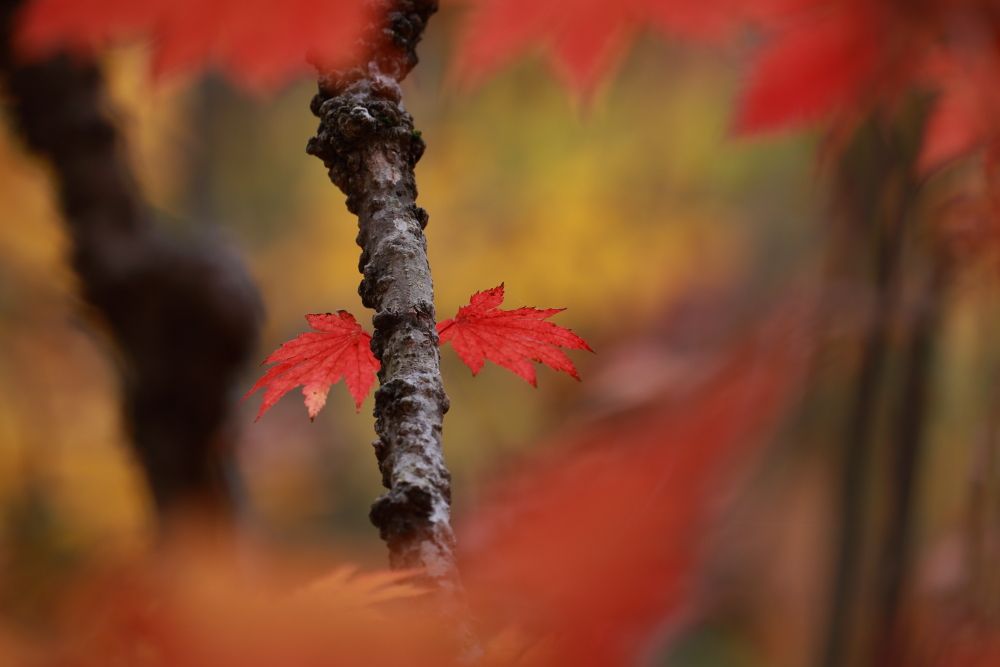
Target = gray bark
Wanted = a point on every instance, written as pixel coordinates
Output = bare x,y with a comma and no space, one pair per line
367,141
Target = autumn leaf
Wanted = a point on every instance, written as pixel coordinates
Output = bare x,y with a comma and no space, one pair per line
318,360
509,338
260,44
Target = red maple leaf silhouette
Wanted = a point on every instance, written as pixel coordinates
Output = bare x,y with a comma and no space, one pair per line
837,60
509,338
820,67
822,60
965,115
318,360
583,39
259,43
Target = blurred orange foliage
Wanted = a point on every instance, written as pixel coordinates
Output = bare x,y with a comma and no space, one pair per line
189,607
583,558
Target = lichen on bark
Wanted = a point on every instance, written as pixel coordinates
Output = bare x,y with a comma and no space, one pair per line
367,141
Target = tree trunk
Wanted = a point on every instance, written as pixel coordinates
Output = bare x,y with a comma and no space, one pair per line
184,315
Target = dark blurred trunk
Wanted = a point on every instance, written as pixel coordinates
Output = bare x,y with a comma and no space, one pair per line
183,315
894,639
866,253
881,253
983,527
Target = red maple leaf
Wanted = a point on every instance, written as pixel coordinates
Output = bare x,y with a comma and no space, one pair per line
259,43
509,338
318,360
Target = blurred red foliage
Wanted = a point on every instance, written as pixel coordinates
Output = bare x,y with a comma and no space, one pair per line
260,44
833,60
597,546
822,59
188,609
582,39
966,113
837,60
807,73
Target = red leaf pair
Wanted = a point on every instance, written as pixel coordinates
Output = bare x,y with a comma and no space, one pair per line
480,331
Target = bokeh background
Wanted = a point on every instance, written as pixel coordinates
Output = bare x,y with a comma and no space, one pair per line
637,211
613,210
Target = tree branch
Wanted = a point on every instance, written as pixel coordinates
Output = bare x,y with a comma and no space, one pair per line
367,141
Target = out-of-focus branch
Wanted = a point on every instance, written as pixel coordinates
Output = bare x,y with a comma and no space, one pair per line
894,630
184,315
878,191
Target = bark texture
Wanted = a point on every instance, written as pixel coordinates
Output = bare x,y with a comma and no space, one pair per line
367,141
184,315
